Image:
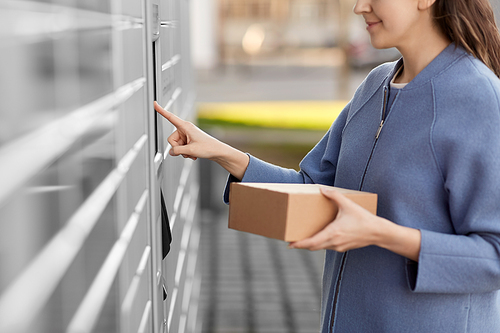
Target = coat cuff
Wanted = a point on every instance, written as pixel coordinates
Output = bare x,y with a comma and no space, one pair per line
257,171
414,269
445,267
230,179
233,179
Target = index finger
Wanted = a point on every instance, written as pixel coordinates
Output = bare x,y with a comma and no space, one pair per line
176,121
312,243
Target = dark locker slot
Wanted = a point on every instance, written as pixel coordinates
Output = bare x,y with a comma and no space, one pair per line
155,96
166,233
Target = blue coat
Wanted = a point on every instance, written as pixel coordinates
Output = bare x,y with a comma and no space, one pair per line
435,167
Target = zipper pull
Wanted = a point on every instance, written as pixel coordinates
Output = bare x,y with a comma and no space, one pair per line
383,114
379,129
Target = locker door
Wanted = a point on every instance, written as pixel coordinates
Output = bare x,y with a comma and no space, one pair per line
159,228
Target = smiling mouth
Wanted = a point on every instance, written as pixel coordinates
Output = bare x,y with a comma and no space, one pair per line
371,24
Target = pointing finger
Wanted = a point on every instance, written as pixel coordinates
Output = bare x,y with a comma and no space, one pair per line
176,121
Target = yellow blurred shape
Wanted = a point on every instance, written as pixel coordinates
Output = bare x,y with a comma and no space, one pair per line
311,115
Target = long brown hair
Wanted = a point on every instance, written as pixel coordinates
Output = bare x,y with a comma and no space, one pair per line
471,24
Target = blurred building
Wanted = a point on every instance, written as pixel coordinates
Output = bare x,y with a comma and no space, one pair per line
285,32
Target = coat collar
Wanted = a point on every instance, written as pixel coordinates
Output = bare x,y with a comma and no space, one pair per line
442,61
382,75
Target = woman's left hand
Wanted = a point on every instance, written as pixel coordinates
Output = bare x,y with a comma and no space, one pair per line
353,227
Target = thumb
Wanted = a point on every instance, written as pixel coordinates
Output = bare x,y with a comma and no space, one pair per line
180,150
336,197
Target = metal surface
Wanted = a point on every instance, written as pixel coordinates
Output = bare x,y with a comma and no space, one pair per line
83,159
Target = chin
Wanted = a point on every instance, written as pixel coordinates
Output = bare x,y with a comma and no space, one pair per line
380,45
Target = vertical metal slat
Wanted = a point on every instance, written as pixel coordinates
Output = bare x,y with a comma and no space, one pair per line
53,261
89,310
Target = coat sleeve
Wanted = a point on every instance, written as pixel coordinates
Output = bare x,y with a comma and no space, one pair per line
468,156
317,167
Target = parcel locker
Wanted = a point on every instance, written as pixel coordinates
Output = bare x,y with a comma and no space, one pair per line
98,224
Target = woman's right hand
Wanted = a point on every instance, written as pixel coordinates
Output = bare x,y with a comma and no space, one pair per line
188,140
191,142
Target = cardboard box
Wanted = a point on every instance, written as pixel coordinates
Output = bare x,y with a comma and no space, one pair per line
289,212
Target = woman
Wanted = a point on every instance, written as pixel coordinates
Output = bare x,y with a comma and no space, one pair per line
424,134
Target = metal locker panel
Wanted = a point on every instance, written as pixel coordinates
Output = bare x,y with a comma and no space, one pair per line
133,115
87,219
67,67
95,64
183,229
182,281
179,172
131,8
23,74
166,11
61,307
191,297
176,17
167,83
137,294
160,287
92,5
90,83
175,266
185,51
126,199
98,307
170,264
189,302
174,310
178,106
167,28
171,180
35,215
133,57
146,325
133,256
53,195
169,183
167,129
168,25
155,159
132,187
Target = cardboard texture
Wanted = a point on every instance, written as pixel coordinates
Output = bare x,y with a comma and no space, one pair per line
288,212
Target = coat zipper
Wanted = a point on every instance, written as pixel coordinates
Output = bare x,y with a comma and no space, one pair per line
383,118
382,122
383,115
337,291
344,255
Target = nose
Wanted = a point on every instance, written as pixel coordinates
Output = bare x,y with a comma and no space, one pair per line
361,7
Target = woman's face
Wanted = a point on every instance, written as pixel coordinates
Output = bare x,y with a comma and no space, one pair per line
391,23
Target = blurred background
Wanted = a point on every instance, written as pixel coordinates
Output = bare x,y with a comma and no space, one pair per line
88,190
271,76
